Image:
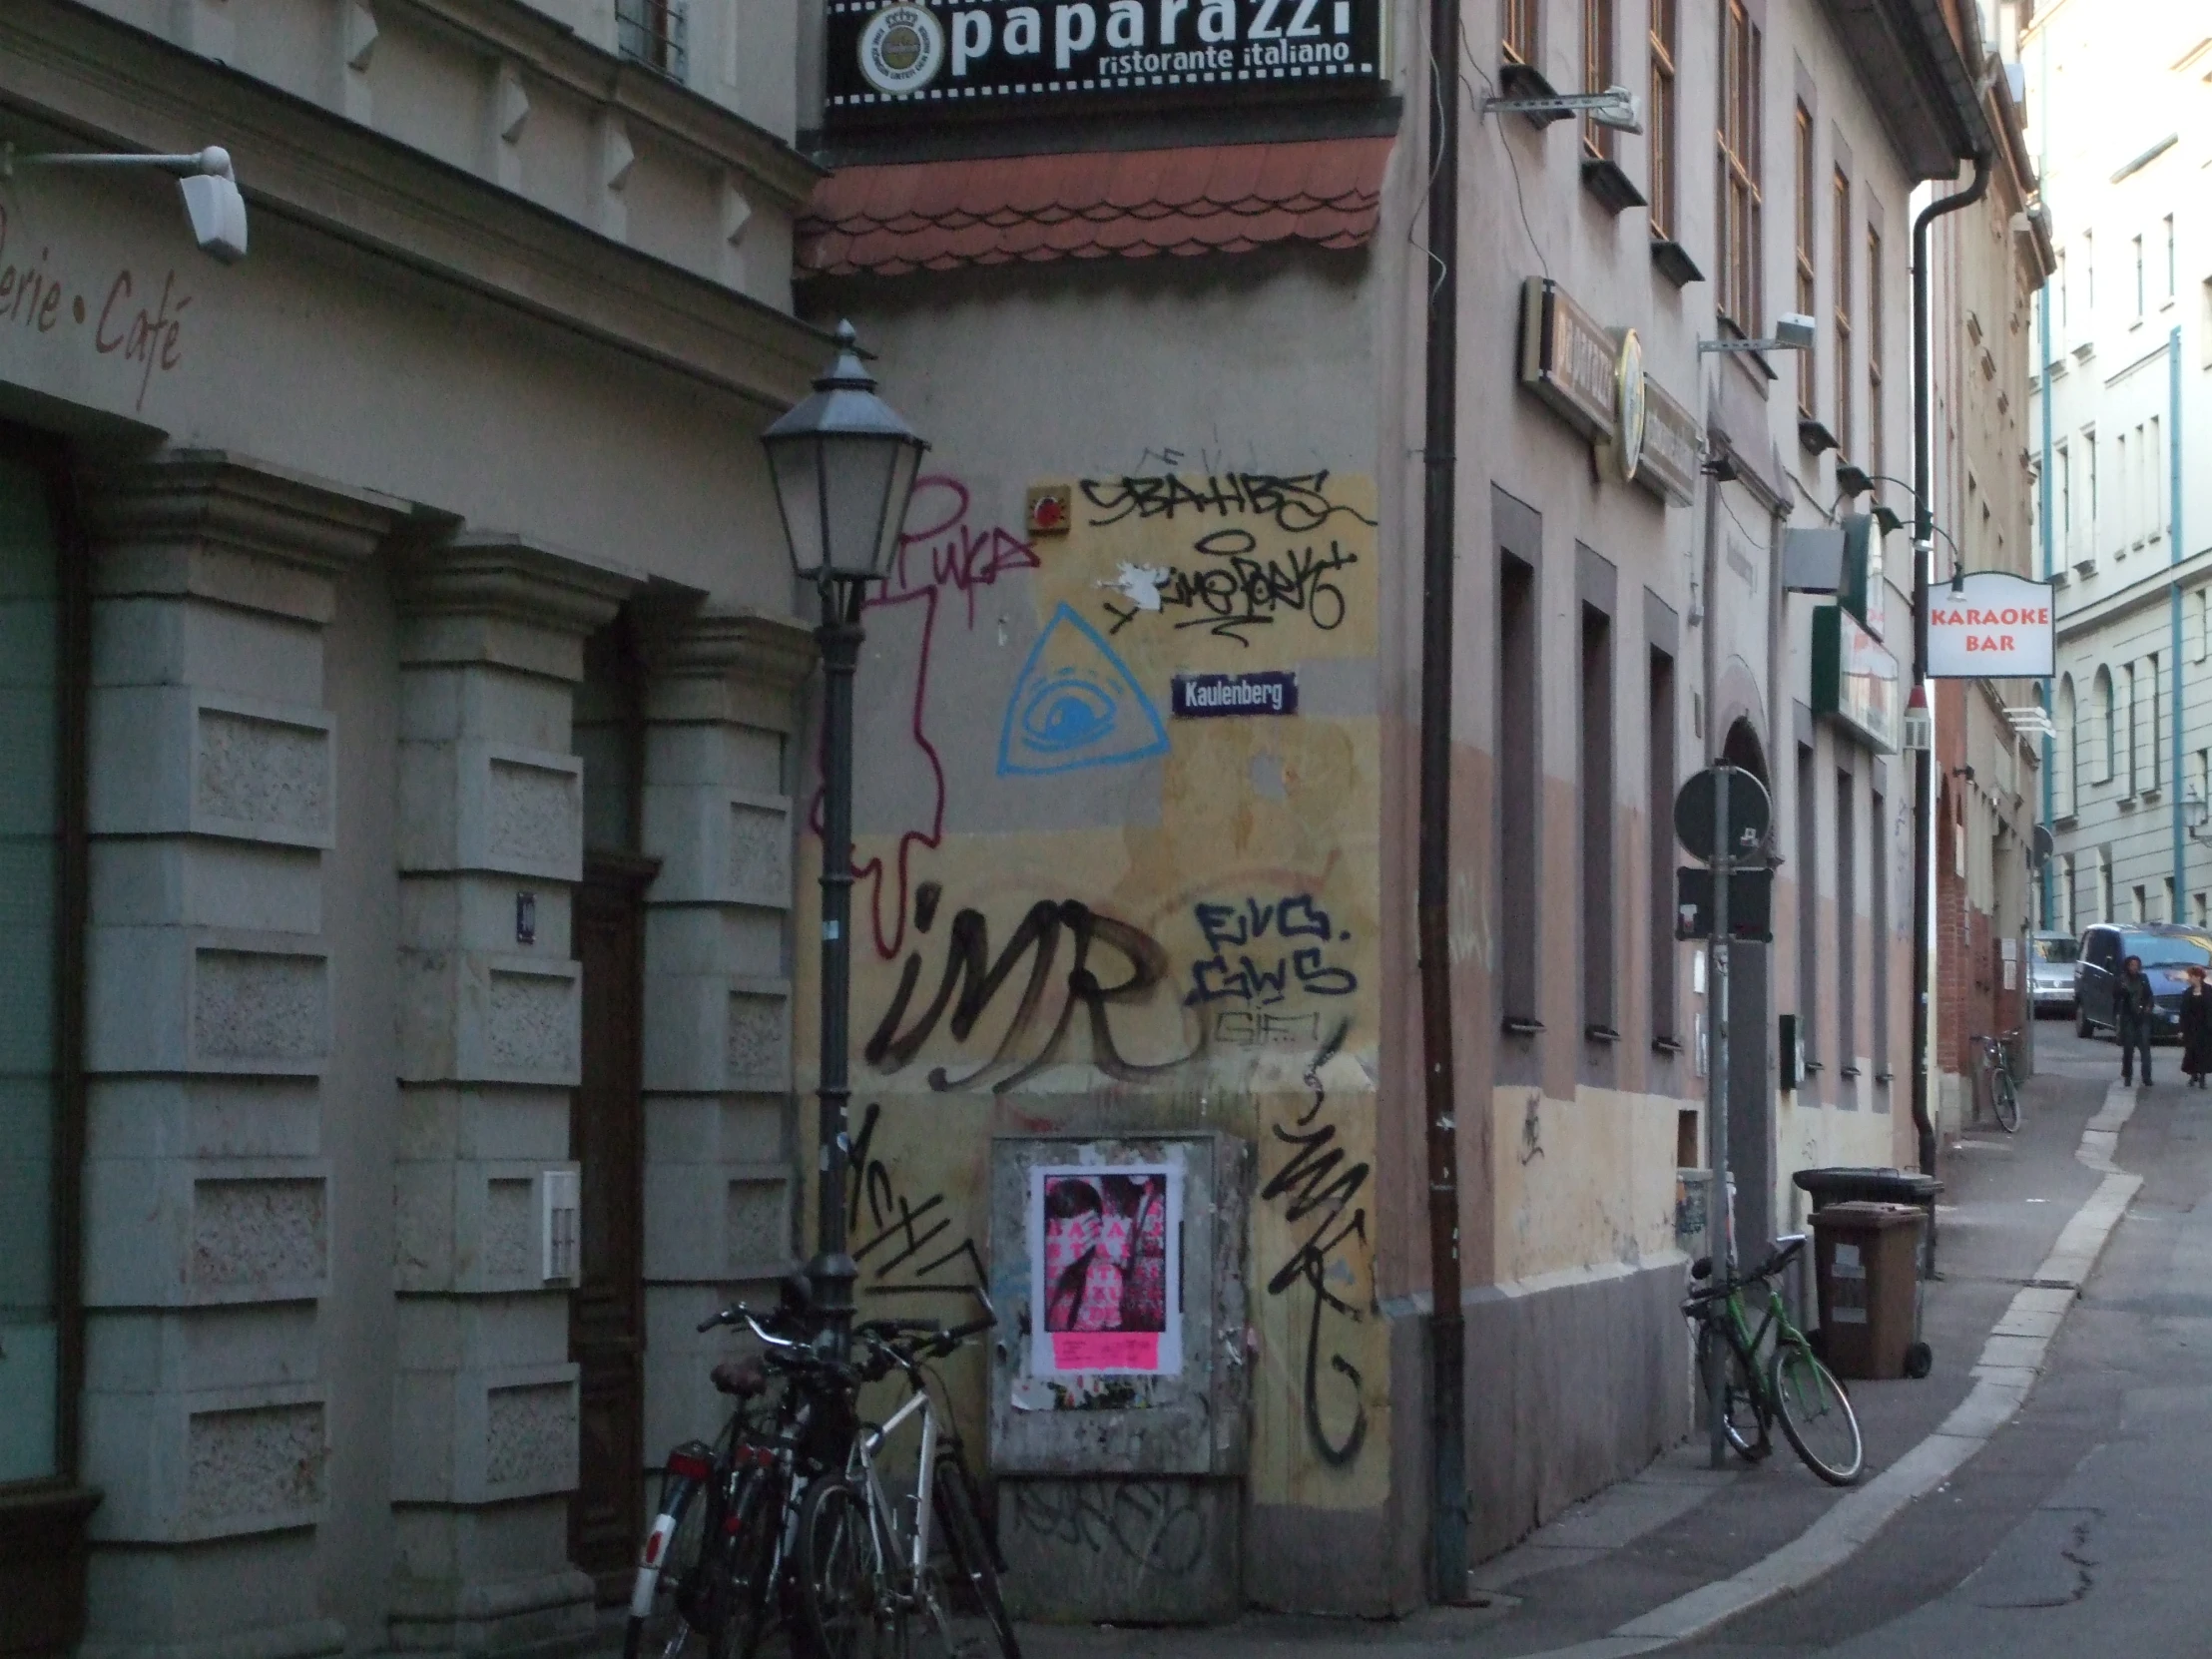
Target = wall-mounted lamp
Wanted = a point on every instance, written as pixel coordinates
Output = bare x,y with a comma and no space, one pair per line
2197,814
1615,107
212,199
1791,332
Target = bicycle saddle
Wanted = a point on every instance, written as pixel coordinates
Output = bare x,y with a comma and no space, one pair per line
742,1379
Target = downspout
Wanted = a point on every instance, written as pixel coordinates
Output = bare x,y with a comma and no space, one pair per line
1924,550
2050,698
2173,550
1448,1323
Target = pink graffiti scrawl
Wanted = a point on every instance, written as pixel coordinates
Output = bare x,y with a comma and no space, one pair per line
947,553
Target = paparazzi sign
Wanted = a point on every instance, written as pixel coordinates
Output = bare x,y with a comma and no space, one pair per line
1990,625
921,61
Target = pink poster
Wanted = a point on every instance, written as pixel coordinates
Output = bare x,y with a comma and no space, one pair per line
1106,1261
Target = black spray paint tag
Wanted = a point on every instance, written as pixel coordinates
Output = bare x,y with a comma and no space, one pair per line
1203,696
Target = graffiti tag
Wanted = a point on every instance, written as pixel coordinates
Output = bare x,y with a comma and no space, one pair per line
1230,588
1244,977
905,1230
1319,1187
1157,1525
1298,503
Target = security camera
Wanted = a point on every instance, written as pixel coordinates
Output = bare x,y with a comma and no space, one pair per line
214,207
1794,332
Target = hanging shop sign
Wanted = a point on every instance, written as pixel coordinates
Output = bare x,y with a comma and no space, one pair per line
1854,680
1594,376
1993,625
919,61
1670,457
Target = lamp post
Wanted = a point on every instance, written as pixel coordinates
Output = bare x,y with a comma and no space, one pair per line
844,464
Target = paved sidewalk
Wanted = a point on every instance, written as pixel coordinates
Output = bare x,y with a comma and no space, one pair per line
1679,1534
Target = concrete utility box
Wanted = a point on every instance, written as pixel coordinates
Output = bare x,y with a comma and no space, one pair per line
1118,1393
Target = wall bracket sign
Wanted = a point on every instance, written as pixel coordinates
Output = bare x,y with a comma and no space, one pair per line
917,62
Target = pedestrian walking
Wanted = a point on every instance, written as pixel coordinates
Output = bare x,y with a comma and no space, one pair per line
2132,1018
2196,1028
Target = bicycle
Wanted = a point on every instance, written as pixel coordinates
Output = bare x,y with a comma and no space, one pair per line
865,1577
1794,1386
2004,1094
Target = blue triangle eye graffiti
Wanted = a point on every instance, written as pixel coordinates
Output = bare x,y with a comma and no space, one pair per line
1076,704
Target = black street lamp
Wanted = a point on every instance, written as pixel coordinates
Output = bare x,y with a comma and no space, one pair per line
844,464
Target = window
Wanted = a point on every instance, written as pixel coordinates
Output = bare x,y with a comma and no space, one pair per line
1809,904
2127,492
2140,296
1598,72
2089,479
1517,19
1847,922
2101,698
1877,892
40,1092
1659,747
1807,381
2203,628
2154,487
1599,972
2138,904
1521,778
2063,464
654,33
1844,242
2066,891
2154,773
2173,901
2066,777
2059,334
2105,884
2173,265
1663,17
2089,273
1875,460
2203,911
1739,299
2134,715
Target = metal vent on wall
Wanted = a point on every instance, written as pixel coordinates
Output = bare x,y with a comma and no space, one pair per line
654,33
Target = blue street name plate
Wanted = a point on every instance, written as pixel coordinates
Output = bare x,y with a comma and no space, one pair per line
1206,696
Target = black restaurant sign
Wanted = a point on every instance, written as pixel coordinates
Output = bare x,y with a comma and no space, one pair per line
928,59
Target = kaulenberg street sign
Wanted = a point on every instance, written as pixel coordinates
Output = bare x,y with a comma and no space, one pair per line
1993,626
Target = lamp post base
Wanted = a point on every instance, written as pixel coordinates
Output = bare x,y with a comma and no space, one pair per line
832,1275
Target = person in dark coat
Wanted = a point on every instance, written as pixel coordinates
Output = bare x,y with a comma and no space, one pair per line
2196,1028
2132,1018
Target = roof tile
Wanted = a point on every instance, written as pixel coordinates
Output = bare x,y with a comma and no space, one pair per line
941,215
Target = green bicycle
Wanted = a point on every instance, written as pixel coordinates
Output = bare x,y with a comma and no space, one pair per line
1792,1386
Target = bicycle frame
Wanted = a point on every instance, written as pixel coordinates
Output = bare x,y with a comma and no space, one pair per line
882,1514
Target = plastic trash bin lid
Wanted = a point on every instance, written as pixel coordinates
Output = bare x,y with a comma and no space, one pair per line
1890,1186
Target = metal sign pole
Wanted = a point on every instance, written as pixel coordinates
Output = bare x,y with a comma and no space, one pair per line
1716,1096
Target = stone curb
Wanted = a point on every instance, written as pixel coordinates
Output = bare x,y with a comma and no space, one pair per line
2010,1361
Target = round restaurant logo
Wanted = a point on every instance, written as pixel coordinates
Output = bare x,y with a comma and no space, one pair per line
901,49
1629,406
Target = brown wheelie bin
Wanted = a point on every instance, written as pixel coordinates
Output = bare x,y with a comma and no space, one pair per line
1864,1260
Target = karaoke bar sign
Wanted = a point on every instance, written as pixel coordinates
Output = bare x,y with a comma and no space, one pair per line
919,60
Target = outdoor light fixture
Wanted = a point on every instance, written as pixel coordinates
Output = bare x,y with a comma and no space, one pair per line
2199,813
1615,107
1791,332
1852,480
1887,520
844,464
1920,723
212,199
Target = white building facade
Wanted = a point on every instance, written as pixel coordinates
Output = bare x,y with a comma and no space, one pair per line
2122,124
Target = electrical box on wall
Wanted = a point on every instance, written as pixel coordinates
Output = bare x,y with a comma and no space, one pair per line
1119,1381
559,1198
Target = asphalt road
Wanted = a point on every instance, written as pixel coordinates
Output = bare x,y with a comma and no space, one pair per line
2085,1526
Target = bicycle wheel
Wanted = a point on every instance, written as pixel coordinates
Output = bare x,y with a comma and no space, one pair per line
1740,1420
973,1577
849,1607
667,1575
2006,1099
1816,1414
754,1533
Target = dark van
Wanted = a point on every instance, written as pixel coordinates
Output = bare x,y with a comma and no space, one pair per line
2167,949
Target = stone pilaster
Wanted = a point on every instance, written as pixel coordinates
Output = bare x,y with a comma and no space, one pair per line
721,718
212,803
490,809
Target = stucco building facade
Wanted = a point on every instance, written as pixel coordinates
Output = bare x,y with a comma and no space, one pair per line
2120,410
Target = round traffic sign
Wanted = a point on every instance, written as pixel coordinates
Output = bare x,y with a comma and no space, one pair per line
1697,812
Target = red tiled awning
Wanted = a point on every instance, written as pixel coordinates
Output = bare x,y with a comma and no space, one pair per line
1228,198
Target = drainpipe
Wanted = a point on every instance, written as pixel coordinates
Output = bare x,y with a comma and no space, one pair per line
2050,698
1448,1323
1924,563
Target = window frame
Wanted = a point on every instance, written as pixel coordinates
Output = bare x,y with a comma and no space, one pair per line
1660,36
1739,145
1601,55
73,666
1520,39
1876,426
1840,303
1806,259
